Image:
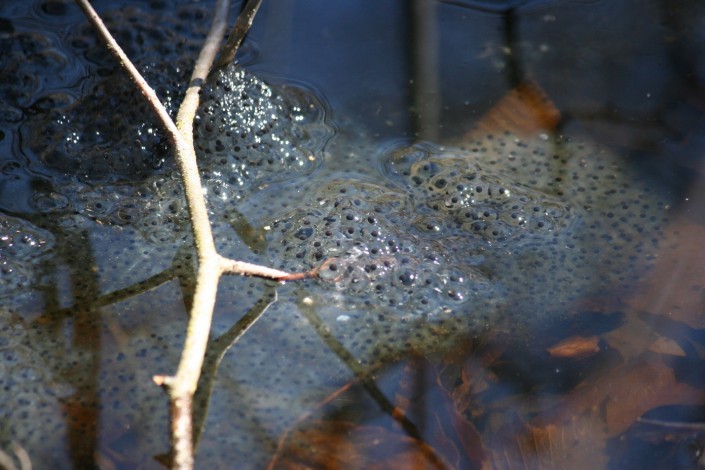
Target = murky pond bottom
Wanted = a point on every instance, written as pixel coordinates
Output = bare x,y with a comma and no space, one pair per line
505,205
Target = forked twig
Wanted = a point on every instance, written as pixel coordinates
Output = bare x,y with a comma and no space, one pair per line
211,265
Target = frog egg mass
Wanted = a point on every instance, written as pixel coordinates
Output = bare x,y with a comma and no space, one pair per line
435,244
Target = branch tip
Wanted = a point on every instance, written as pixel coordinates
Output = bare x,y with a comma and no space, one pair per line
163,380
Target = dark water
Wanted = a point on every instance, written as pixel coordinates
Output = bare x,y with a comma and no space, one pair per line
443,242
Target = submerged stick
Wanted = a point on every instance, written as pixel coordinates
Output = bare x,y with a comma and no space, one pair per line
217,349
238,33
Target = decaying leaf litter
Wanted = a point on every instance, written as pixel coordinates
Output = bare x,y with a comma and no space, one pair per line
441,242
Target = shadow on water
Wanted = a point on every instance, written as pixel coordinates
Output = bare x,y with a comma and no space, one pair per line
82,408
568,360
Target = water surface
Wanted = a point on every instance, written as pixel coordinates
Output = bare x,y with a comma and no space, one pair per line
357,152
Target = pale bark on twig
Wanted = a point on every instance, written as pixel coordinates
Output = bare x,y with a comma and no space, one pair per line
8,463
211,265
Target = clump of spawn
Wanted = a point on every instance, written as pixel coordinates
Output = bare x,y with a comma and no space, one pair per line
109,135
103,155
77,140
383,287
117,168
503,231
460,195
22,246
376,306
249,134
555,219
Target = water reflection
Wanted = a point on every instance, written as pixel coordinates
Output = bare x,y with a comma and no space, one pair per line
108,308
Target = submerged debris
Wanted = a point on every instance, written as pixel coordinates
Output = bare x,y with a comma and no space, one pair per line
498,232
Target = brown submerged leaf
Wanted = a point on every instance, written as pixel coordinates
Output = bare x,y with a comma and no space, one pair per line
524,111
331,445
612,403
576,347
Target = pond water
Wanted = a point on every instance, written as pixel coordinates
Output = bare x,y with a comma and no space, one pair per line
503,196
